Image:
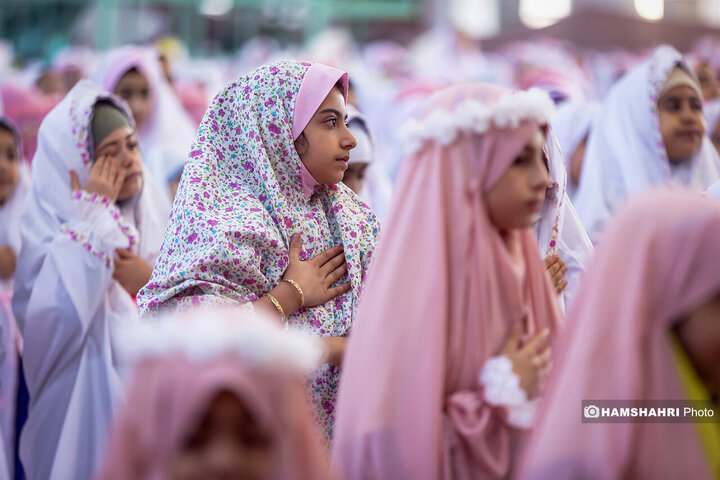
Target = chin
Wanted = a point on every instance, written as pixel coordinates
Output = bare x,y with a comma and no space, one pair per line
128,191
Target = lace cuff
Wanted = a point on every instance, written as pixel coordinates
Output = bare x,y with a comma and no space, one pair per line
104,219
502,389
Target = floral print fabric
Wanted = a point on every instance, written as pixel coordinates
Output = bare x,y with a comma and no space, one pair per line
239,202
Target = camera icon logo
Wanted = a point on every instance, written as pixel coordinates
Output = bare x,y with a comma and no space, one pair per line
591,411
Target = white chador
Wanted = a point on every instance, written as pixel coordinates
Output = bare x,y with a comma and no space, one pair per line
558,229
66,302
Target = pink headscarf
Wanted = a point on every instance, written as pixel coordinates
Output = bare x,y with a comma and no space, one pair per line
657,262
170,392
443,296
316,84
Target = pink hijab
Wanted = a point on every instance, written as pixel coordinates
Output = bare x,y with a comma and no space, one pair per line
171,390
443,296
657,262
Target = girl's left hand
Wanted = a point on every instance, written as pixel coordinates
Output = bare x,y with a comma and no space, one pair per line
131,271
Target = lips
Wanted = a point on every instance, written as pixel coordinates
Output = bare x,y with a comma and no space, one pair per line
688,134
344,159
535,205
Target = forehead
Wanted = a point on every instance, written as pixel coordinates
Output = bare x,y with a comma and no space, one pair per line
680,92
334,99
133,78
118,134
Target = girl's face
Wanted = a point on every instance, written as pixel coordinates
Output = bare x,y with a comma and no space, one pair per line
227,444
708,81
682,124
325,144
122,146
134,88
699,333
516,199
9,165
355,176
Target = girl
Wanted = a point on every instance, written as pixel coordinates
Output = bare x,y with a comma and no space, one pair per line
650,132
135,75
14,181
649,335
563,242
91,225
572,125
261,217
365,175
451,343
362,155
215,394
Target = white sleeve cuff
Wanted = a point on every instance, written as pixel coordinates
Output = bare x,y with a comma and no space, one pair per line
104,219
502,389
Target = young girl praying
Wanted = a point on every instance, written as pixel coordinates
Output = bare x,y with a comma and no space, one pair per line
215,394
14,181
650,132
261,218
91,228
650,334
134,74
451,344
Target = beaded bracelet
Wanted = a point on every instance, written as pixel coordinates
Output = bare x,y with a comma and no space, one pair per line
299,290
278,306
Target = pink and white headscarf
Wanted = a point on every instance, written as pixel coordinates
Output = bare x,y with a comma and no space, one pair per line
625,152
442,298
664,245
243,195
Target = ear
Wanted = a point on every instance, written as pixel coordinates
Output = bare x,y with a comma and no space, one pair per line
301,145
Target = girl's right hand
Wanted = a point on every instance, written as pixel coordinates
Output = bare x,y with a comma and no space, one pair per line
556,268
317,275
105,178
531,360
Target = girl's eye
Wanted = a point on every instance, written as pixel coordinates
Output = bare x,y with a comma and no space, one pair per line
519,160
132,145
332,121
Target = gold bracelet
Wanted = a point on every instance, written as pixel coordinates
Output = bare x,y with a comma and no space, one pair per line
299,290
277,305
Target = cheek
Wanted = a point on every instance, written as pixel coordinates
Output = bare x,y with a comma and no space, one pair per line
187,466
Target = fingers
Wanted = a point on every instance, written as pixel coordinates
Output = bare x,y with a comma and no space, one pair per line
332,264
74,181
513,341
542,359
295,246
336,274
561,286
322,258
537,343
124,254
554,269
339,290
550,260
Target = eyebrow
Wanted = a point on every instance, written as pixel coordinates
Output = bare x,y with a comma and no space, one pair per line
115,142
332,110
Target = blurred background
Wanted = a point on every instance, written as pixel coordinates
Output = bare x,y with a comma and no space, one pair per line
42,28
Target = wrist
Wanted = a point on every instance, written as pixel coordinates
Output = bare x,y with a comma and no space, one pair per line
287,297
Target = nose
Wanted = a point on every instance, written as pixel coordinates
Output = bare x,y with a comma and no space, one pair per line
687,114
539,176
348,140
